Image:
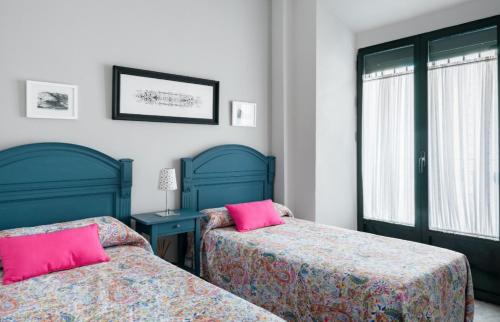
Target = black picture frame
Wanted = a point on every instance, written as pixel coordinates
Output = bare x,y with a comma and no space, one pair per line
118,115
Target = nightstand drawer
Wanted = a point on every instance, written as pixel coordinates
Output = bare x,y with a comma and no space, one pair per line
176,226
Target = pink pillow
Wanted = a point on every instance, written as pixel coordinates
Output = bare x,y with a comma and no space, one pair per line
253,215
24,257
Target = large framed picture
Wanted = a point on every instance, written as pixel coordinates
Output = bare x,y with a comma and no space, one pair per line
51,100
142,95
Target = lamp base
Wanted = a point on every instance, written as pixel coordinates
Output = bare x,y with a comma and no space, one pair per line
168,212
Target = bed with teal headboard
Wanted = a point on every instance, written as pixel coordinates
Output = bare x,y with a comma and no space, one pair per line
303,271
44,183
63,186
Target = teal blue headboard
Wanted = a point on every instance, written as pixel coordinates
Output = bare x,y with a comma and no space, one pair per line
226,174
53,182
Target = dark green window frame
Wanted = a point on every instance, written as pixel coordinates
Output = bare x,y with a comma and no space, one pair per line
483,255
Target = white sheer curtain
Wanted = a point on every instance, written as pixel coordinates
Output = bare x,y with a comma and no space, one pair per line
388,149
463,149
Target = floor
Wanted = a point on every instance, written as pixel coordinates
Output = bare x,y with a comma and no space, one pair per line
486,312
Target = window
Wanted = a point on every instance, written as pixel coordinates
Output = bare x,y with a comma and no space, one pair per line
428,144
463,134
388,130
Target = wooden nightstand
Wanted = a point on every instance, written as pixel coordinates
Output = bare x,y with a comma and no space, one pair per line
181,223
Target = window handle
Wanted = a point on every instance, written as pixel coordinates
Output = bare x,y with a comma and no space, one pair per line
421,162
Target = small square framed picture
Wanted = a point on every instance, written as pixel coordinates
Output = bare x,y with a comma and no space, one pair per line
51,100
244,114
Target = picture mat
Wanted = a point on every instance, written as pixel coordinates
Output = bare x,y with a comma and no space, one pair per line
249,114
129,103
34,88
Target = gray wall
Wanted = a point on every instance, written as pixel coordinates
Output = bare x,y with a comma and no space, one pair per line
78,42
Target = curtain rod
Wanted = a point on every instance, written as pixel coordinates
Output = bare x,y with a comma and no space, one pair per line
430,67
463,62
387,76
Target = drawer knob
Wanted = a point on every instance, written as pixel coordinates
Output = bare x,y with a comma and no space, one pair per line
178,226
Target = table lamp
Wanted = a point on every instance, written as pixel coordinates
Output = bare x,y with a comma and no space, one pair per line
167,183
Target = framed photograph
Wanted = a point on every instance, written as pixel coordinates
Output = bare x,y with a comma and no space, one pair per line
142,95
244,114
51,100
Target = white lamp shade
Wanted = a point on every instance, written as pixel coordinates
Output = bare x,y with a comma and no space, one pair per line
167,179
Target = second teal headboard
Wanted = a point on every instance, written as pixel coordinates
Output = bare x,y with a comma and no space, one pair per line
226,174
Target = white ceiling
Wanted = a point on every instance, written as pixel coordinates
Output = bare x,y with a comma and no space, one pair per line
362,15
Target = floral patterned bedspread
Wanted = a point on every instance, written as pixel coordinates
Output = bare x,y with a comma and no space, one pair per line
134,286
304,271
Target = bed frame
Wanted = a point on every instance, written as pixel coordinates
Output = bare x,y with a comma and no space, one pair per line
226,174
45,183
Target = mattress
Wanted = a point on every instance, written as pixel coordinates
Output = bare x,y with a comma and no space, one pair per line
303,271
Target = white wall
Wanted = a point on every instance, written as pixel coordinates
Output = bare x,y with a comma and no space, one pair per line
313,110
469,11
317,79
335,119
279,95
294,103
301,115
78,42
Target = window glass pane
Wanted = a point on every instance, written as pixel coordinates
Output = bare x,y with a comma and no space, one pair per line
388,137
472,42
389,59
463,136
